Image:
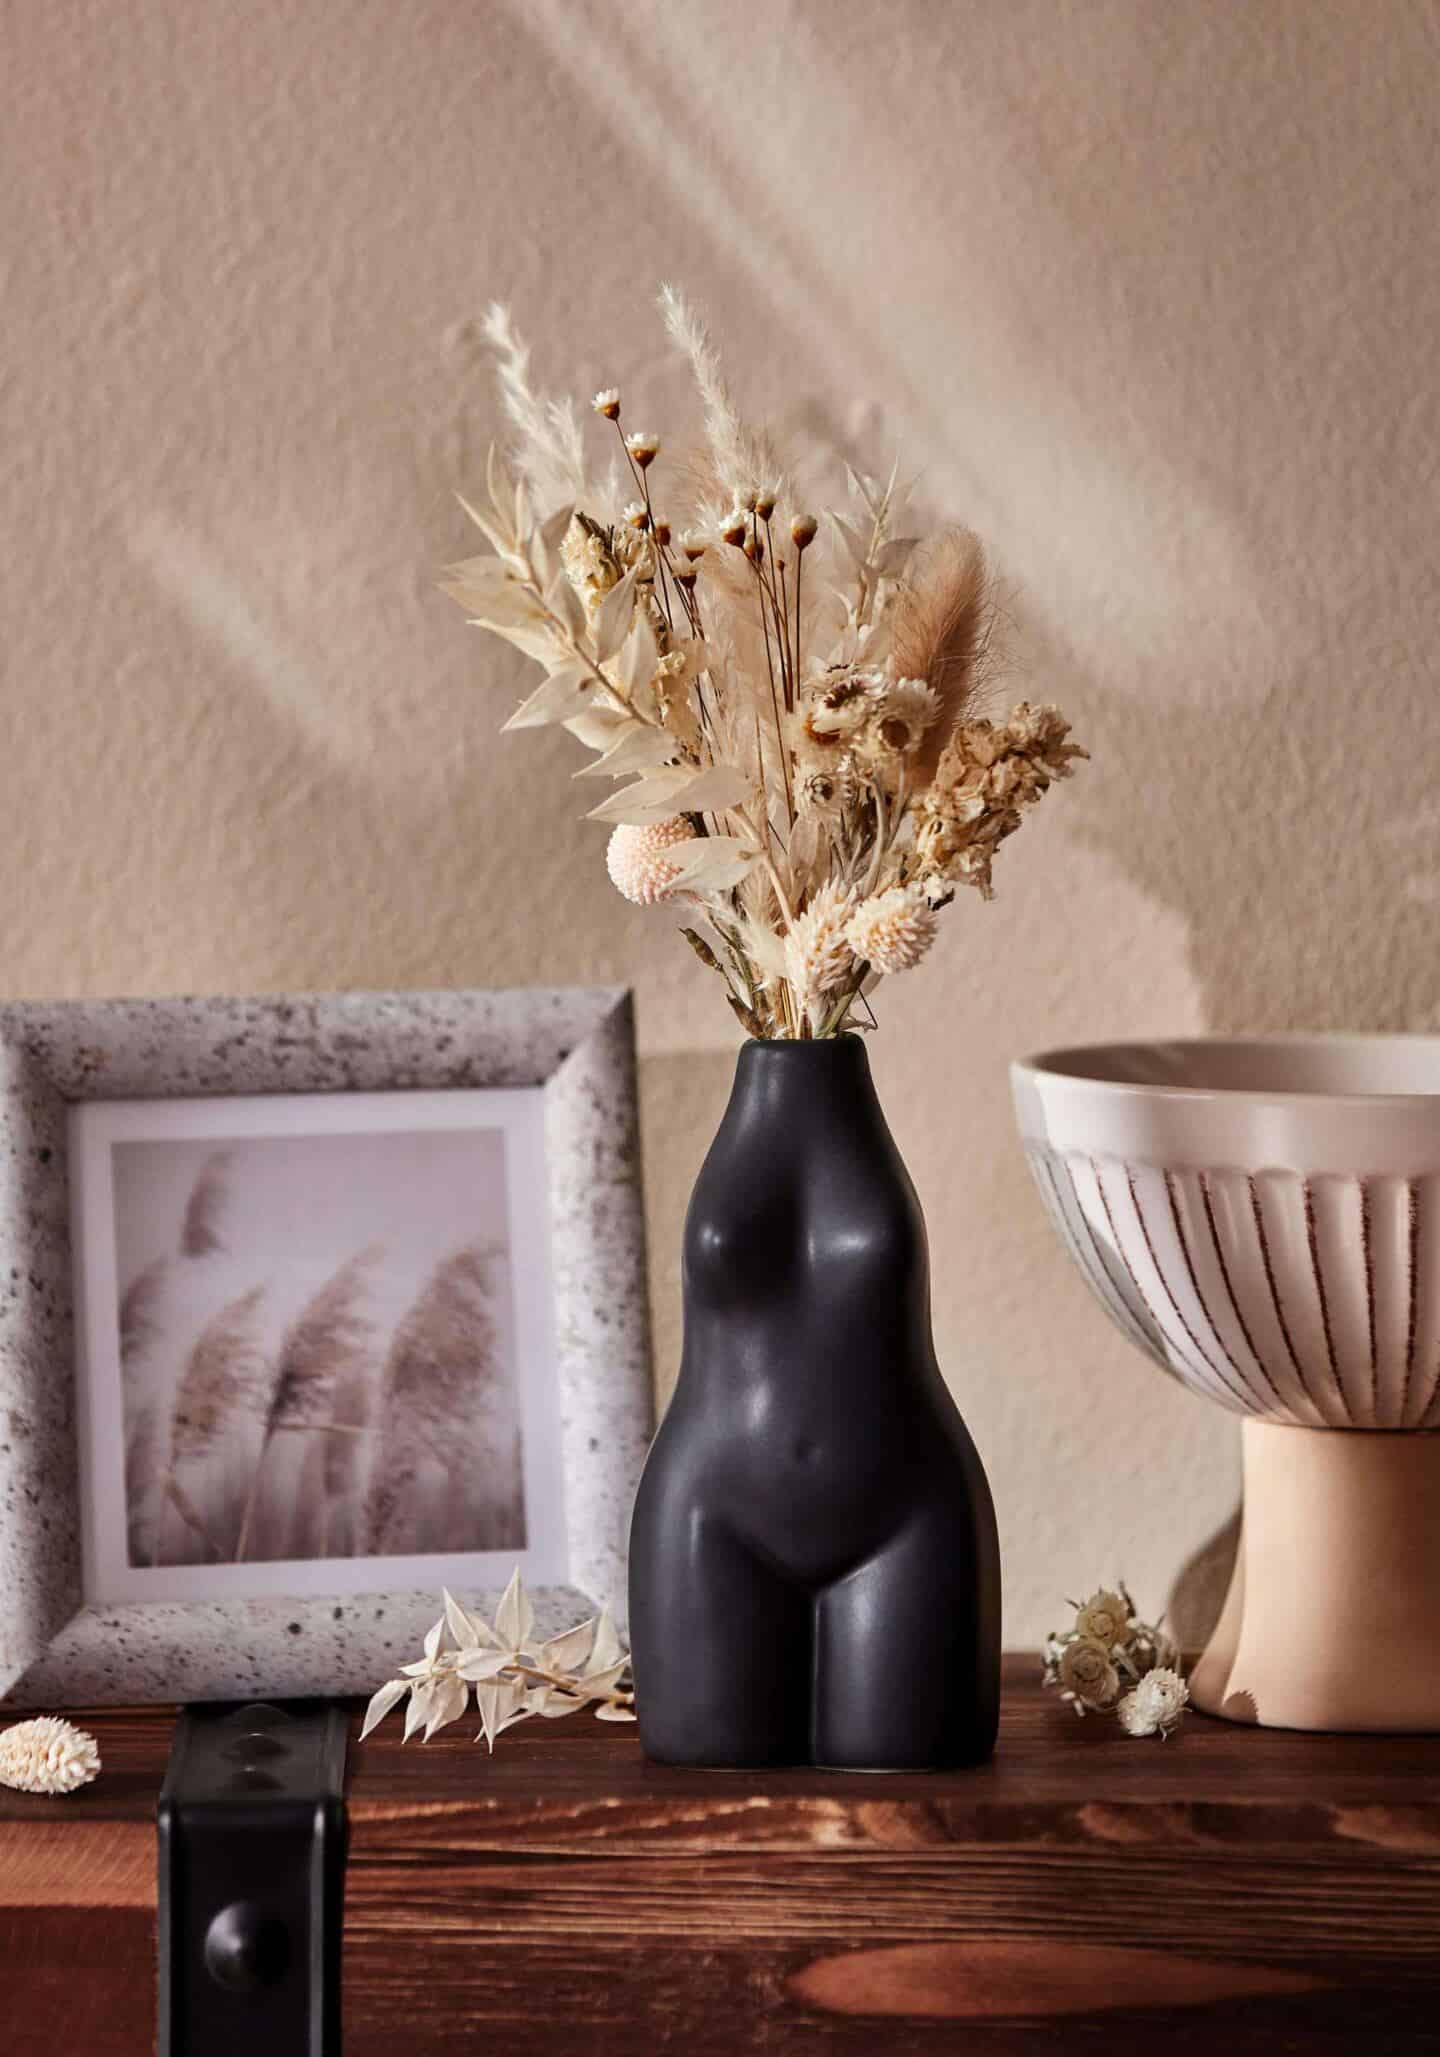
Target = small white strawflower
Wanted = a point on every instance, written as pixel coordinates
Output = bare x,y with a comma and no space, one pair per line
643,447
47,1755
636,860
892,931
824,789
1155,1705
1104,1617
818,959
607,402
907,710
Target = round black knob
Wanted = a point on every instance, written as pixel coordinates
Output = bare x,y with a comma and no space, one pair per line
245,1948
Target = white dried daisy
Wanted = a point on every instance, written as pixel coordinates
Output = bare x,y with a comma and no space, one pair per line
892,931
825,789
47,1755
636,514
1086,1671
643,447
636,861
907,709
818,958
1155,1705
607,402
832,715
1104,1618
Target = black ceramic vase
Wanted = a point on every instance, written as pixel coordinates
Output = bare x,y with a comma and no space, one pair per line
814,1575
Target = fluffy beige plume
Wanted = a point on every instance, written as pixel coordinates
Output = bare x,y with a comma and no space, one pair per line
447,1447
744,460
200,1228
940,629
548,453
221,1379
139,1328
318,1348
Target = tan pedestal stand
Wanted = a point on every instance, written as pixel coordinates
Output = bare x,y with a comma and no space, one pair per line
1332,1620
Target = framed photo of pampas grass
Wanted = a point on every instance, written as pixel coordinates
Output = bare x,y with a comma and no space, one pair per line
308,1306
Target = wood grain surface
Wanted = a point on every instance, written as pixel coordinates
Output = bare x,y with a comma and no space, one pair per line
1232,1889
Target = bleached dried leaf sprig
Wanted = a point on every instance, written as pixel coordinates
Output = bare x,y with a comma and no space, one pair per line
47,1755
788,708
1108,1660
512,1674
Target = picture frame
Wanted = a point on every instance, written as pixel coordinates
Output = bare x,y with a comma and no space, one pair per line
567,1054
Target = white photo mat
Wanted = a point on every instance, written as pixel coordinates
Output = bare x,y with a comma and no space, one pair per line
555,1071
95,1127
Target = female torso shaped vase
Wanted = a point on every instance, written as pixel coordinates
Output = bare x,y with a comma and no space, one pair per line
814,1573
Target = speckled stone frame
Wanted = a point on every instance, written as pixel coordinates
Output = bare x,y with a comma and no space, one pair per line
577,1044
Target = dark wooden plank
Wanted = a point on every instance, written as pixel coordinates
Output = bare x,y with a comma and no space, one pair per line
1266,1891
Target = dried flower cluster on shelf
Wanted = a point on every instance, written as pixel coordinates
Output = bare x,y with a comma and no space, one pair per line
793,705
512,1675
1109,1660
47,1755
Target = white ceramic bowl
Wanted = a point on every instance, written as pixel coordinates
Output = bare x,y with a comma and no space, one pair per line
1261,1218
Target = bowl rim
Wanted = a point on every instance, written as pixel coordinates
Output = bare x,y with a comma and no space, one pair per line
1042,1065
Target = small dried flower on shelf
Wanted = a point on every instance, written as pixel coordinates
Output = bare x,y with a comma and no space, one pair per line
791,722
1154,1707
1109,1660
513,1673
47,1755
1087,1673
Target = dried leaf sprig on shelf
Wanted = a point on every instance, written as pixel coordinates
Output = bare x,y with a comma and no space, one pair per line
47,1755
789,707
1109,1660
510,1672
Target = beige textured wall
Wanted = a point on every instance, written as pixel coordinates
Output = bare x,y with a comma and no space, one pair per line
1147,286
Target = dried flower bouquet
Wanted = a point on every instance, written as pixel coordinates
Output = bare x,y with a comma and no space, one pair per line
789,707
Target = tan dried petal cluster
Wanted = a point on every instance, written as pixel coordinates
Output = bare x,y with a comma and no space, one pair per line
47,1755
986,775
588,561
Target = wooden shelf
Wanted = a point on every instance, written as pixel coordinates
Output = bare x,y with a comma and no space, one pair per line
1232,1888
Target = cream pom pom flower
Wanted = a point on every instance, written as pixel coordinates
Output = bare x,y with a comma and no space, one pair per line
1086,1671
892,931
1155,1705
637,863
1104,1618
47,1755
